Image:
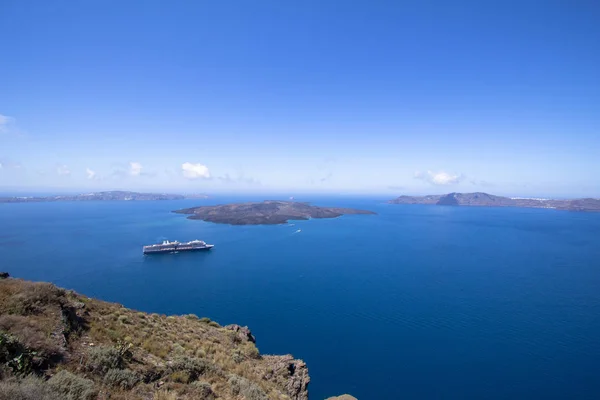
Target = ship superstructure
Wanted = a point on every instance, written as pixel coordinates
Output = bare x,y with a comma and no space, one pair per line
172,247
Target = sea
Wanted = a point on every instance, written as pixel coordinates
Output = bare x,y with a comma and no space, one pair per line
416,302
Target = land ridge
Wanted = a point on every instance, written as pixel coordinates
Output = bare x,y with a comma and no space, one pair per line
481,199
57,344
268,212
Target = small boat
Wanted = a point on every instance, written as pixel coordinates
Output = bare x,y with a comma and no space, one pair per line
174,247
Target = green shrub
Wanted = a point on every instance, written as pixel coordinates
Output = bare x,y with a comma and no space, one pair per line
201,384
253,392
237,357
178,349
15,355
214,324
157,347
181,377
30,388
251,351
192,317
194,367
113,335
242,386
204,390
122,378
103,358
34,337
205,320
72,387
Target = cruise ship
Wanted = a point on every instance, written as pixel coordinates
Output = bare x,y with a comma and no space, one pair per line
172,247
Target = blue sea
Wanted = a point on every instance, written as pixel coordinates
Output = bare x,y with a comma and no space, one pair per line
416,302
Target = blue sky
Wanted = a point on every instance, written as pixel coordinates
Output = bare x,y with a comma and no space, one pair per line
382,97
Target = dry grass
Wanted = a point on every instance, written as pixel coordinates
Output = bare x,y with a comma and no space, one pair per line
134,355
30,388
72,387
164,395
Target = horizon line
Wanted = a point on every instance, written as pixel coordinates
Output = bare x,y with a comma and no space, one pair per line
48,192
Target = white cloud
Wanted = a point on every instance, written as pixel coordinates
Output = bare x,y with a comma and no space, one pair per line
7,164
194,171
481,183
240,179
170,172
5,123
135,168
90,174
438,178
63,170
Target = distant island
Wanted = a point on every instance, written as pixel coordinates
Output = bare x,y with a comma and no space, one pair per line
489,200
116,195
268,212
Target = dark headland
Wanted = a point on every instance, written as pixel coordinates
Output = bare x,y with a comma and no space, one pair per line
269,212
488,200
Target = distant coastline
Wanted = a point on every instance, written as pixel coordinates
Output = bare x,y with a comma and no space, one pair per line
275,212
269,212
480,199
115,195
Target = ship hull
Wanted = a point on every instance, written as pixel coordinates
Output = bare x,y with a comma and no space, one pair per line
176,250
176,247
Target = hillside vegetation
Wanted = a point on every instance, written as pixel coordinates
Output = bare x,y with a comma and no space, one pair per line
57,344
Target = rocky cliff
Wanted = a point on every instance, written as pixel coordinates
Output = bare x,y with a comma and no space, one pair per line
57,344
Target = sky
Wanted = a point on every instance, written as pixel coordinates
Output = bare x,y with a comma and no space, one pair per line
369,97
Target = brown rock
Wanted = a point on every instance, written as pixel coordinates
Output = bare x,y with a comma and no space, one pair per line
243,332
291,373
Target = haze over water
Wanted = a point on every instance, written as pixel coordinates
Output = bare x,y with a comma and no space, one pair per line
415,302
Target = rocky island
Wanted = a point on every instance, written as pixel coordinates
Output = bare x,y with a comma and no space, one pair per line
115,195
56,344
488,200
269,212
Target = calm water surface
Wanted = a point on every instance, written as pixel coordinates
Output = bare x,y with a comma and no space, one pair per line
415,302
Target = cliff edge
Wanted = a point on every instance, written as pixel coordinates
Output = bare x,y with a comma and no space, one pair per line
57,344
